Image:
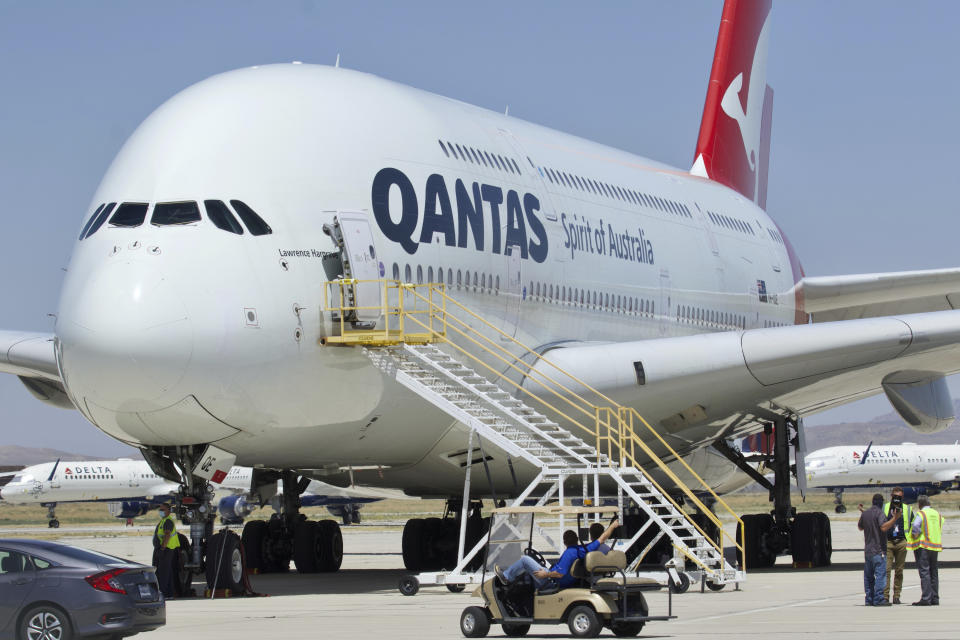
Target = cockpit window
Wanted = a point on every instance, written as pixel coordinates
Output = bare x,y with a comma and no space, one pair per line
221,216
170,213
129,214
255,224
100,219
86,227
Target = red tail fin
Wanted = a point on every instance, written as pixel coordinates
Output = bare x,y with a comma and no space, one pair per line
734,143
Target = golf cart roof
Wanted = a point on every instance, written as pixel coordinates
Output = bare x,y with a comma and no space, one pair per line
556,510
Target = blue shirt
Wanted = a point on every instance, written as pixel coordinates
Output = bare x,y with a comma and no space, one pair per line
570,554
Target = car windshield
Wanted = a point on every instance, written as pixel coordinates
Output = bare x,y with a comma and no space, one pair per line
509,536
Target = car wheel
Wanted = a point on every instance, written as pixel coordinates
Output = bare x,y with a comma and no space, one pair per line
456,588
515,630
45,622
474,622
583,622
626,629
716,586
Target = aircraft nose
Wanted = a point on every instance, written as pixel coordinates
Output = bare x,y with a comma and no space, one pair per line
125,336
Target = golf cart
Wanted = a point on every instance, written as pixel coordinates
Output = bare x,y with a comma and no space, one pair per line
604,596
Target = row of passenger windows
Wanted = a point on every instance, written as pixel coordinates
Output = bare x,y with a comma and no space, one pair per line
769,324
603,189
481,281
107,476
544,292
775,235
133,214
597,299
480,157
710,317
734,224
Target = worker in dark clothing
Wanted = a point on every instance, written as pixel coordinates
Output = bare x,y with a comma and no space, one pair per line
166,544
874,526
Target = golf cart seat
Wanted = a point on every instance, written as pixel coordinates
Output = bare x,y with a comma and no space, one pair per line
605,572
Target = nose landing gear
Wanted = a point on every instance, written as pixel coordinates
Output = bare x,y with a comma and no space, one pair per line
838,500
52,515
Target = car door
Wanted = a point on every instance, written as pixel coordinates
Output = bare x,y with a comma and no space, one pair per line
16,582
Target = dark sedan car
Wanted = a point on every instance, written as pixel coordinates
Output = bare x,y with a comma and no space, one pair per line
52,591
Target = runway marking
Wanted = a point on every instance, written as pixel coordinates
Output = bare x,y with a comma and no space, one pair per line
782,606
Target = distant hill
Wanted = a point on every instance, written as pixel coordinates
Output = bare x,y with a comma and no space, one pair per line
15,455
886,429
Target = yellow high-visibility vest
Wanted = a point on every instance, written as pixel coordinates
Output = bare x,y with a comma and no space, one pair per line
931,528
174,541
906,514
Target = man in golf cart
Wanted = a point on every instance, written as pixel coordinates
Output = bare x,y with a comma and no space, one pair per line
559,574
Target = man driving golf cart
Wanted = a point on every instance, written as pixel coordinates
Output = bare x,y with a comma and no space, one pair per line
559,574
585,589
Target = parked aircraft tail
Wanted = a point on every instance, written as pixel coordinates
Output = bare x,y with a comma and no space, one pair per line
733,147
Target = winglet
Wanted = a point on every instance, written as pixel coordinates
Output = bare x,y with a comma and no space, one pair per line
733,147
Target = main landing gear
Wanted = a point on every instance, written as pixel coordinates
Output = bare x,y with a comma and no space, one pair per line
270,546
838,501
805,536
52,515
430,544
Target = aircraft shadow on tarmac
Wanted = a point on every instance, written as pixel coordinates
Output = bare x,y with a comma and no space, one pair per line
345,581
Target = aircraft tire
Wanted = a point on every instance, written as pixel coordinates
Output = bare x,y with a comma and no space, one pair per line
306,546
840,508
432,546
54,524
412,542
331,546
185,585
756,526
254,537
225,568
810,539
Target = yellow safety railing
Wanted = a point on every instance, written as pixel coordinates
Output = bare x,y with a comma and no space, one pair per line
421,313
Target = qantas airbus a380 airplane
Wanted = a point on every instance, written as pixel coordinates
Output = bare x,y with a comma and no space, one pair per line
192,311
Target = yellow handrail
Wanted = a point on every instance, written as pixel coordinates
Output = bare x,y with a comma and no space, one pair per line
618,422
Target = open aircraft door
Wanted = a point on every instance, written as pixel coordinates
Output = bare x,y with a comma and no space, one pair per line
352,233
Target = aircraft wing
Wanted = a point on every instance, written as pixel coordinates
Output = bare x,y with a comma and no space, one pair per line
728,384
31,357
874,295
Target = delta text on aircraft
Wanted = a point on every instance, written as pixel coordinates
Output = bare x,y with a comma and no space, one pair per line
192,320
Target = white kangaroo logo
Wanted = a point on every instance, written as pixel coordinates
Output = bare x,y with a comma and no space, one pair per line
749,120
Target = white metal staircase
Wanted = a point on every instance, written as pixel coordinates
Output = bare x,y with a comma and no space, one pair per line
523,432
469,369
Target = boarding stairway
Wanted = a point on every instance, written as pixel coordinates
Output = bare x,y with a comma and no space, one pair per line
439,356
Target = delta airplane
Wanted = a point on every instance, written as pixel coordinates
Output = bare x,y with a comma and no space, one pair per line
131,489
192,311
919,469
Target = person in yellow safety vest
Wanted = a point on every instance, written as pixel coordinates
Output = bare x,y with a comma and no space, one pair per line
167,544
897,544
925,539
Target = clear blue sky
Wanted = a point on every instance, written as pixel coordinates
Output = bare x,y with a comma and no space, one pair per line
864,141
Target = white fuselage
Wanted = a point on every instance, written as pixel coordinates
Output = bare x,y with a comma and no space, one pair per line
905,464
189,334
